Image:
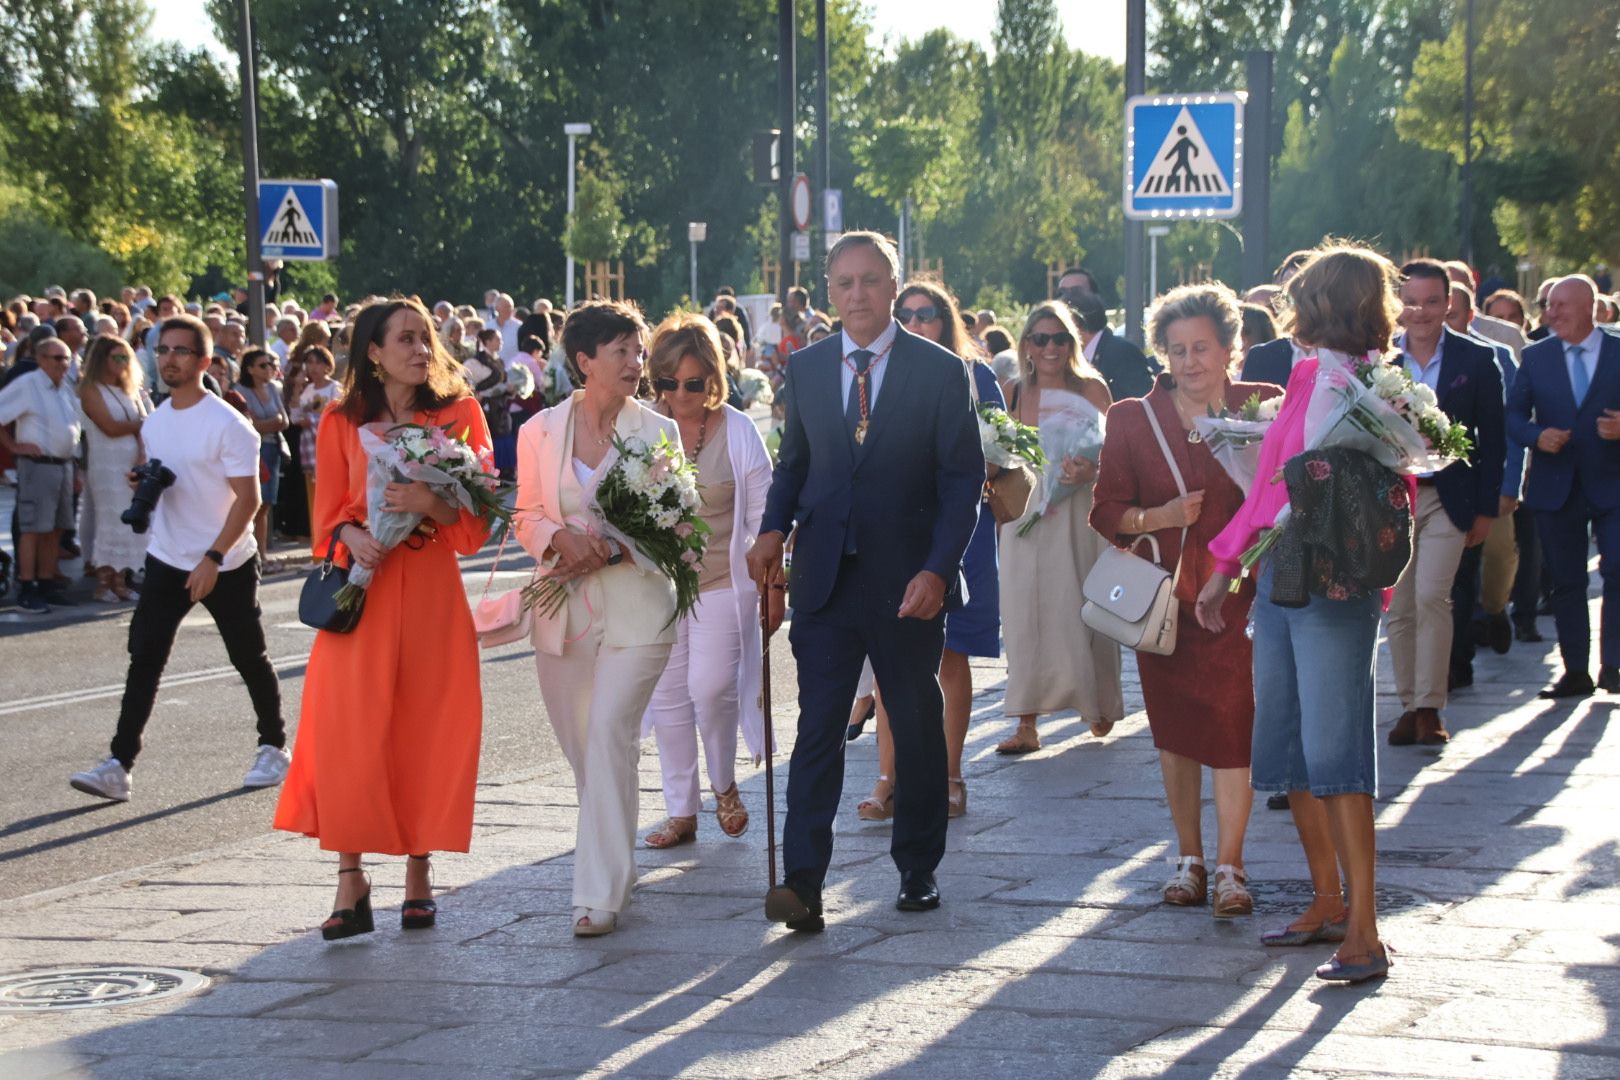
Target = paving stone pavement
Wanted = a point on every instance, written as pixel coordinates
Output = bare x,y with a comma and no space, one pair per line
1051,956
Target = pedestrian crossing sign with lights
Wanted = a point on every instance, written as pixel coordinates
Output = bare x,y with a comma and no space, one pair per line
1184,156
298,219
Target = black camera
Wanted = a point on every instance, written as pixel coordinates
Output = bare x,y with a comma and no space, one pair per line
151,478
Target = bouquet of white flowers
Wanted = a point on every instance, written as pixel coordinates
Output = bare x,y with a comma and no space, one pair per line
648,502
1073,432
1235,438
403,453
1007,443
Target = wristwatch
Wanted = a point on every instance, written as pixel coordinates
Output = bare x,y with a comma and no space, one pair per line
219,559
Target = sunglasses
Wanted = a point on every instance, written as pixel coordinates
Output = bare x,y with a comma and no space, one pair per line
691,386
178,350
921,314
1062,337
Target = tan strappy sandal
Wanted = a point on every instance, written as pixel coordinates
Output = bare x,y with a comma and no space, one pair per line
1231,893
1189,885
878,806
673,832
730,812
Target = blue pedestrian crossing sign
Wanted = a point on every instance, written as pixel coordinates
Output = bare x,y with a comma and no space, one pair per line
1184,156
298,219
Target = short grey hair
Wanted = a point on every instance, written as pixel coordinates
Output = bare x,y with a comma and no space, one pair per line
877,241
1211,300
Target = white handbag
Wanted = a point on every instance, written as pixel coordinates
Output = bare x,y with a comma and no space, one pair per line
1130,599
505,618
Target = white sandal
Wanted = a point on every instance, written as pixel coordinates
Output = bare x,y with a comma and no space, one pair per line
1231,897
589,922
1193,886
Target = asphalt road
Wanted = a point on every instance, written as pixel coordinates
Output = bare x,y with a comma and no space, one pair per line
61,677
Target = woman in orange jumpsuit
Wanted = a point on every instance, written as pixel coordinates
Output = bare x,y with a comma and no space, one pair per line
387,746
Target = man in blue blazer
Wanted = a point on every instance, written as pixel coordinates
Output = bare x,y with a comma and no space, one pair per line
1271,361
1455,507
1565,406
881,473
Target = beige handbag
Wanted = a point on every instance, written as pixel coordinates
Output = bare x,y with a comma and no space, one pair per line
1009,493
504,619
1128,598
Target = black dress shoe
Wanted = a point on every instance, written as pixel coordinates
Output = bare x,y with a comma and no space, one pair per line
797,906
1277,801
1527,632
918,892
1499,632
1608,679
1570,685
855,730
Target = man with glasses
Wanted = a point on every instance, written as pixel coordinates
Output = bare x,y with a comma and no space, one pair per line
45,409
202,551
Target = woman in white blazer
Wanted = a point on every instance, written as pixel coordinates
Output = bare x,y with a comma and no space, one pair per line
600,655
712,683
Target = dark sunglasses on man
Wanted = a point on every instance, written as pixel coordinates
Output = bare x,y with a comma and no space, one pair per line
691,386
1062,337
907,316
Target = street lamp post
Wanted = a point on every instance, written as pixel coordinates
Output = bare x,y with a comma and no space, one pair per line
573,131
1154,232
696,233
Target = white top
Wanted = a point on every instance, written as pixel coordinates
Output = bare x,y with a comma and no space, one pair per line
874,377
509,341
1427,374
46,413
1590,347
205,445
1089,350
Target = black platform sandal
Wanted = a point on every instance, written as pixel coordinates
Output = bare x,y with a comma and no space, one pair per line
426,912
350,922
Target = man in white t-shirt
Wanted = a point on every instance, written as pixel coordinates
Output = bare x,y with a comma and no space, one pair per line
201,552
507,322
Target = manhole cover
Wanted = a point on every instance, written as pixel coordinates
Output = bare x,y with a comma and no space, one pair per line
94,988
1279,897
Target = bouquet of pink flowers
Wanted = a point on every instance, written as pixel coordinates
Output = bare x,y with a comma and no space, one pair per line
402,453
648,502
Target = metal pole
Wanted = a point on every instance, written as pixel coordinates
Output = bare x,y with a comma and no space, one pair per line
568,287
1135,83
823,111
1257,171
1153,262
250,175
693,245
1467,221
905,208
787,92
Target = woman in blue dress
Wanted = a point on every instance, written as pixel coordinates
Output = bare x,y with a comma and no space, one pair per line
926,309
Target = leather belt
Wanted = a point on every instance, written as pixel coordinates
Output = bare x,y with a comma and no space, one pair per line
48,460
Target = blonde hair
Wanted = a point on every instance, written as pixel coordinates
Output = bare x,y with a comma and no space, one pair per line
98,358
1079,368
1346,298
686,334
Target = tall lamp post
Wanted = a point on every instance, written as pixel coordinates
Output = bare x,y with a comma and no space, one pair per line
250,175
1154,232
696,233
573,131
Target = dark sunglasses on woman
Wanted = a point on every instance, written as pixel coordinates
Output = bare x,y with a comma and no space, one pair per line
921,314
1062,337
691,386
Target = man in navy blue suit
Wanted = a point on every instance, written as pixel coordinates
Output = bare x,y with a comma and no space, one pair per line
1455,507
881,473
1565,406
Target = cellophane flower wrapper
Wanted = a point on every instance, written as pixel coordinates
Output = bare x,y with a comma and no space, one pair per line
1375,408
1235,443
648,501
755,387
1070,433
1007,443
404,453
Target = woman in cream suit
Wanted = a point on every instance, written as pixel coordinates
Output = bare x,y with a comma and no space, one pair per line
600,655
712,683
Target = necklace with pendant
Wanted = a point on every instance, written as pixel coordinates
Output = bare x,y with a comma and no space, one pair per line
1192,429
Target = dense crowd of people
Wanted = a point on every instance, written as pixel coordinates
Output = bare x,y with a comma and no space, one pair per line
878,518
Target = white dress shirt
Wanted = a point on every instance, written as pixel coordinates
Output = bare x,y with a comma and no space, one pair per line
1590,346
1427,374
46,413
1089,349
874,374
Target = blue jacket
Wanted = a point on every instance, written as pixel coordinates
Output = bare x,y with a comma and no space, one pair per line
1470,392
1543,398
1270,362
1513,466
910,494
1125,368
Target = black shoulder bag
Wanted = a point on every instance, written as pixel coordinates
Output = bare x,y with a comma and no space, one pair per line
317,604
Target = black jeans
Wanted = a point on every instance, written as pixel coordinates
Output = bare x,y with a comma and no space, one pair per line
164,602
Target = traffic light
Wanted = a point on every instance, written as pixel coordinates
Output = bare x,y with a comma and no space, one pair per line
767,157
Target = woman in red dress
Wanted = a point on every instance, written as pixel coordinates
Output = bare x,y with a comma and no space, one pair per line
1200,699
387,751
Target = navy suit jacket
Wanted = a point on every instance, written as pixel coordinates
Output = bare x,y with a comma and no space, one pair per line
1470,392
1125,368
1272,362
1543,398
910,494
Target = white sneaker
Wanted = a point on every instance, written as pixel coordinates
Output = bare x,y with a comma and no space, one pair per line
110,780
269,768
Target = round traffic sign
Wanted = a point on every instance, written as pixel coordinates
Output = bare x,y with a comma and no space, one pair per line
800,201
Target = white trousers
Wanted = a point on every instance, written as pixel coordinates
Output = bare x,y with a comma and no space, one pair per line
596,696
697,699
1420,611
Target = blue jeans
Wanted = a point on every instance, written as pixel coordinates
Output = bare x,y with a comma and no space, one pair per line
1313,694
270,458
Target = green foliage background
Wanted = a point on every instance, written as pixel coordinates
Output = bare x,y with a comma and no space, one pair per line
441,121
